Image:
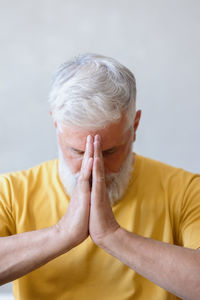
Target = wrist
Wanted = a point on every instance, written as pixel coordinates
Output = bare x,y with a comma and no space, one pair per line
62,240
111,239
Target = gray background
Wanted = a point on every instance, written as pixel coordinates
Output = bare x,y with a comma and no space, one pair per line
158,40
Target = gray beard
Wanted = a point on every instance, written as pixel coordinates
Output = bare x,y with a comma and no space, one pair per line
116,183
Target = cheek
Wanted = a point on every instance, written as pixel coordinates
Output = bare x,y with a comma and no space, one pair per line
73,162
113,162
74,165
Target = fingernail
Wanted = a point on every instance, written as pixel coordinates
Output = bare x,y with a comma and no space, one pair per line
89,138
97,137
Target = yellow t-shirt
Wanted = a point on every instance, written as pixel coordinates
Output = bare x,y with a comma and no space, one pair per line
161,202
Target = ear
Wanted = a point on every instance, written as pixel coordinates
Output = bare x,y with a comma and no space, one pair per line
55,123
136,122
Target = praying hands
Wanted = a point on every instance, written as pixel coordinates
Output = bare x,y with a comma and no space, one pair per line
89,211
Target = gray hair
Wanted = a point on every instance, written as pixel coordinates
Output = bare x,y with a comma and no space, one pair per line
92,91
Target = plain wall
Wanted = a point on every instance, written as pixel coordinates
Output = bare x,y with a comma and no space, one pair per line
158,40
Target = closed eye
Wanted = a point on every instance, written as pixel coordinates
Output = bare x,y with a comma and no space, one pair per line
105,152
78,151
110,151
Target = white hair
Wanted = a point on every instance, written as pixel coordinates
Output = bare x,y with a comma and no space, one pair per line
92,91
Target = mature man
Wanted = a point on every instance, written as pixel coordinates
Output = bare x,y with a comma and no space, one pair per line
102,222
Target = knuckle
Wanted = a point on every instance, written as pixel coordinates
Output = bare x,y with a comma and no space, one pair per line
81,178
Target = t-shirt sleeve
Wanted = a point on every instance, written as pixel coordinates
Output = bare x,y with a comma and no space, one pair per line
190,215
7,224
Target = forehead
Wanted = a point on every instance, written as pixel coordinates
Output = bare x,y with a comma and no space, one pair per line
112,135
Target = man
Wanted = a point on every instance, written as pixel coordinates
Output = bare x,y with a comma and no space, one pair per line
102,222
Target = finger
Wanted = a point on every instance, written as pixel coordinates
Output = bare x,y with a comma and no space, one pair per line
88,150
98,183
98,180
84,177
86,167
98,153
89,146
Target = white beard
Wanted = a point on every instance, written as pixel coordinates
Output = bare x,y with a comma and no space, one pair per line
116,183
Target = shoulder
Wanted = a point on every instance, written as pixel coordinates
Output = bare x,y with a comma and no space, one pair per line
160,173
31,175
163,169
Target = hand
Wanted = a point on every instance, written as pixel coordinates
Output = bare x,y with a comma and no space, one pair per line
102,221
74,225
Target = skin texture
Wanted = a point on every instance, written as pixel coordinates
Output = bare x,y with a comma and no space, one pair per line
174,268
25,252
102,221
116,142
77,215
